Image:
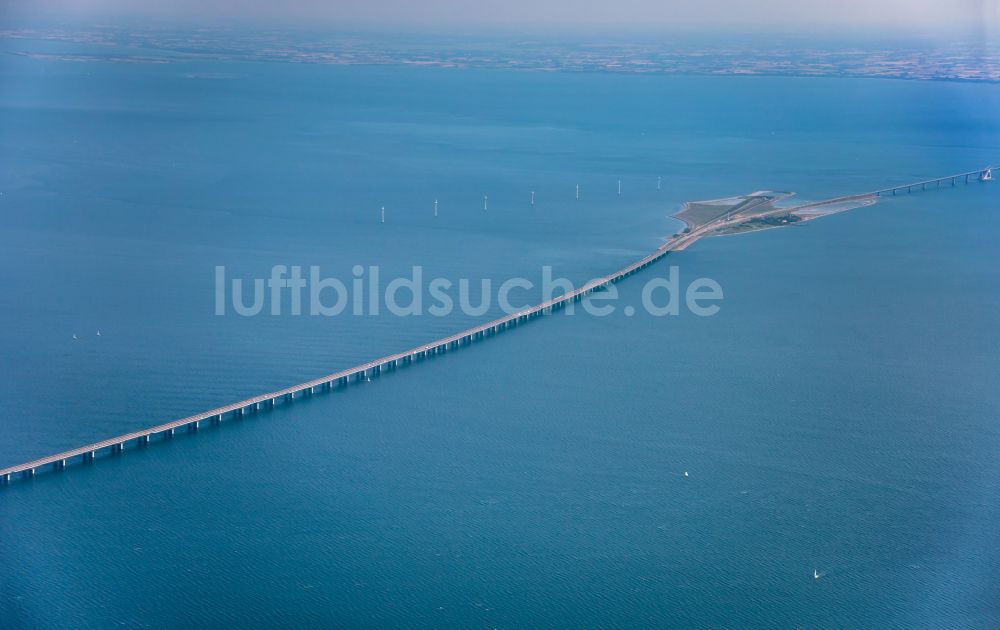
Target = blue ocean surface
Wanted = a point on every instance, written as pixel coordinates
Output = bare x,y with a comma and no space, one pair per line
838,414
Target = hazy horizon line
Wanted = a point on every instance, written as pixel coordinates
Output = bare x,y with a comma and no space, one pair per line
816,34
891,19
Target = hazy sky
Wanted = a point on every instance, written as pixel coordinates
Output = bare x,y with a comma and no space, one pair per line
925,15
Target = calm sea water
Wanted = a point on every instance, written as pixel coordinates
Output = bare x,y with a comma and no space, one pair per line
838,414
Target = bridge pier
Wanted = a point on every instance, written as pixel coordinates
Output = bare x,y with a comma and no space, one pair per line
28,474
5,478
117,448
142,440
59,464
88,456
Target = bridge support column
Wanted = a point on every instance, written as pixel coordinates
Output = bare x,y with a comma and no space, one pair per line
5,478
29,473
59,464
88,457
117,448
142,440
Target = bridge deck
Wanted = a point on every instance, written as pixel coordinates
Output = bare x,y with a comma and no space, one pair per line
677,243
936,180
362,369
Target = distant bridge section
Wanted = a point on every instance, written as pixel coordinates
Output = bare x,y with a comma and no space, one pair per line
983,175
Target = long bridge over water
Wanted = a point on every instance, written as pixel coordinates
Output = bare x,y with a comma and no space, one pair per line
365,371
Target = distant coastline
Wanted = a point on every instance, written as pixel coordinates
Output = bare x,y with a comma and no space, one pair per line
958,62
